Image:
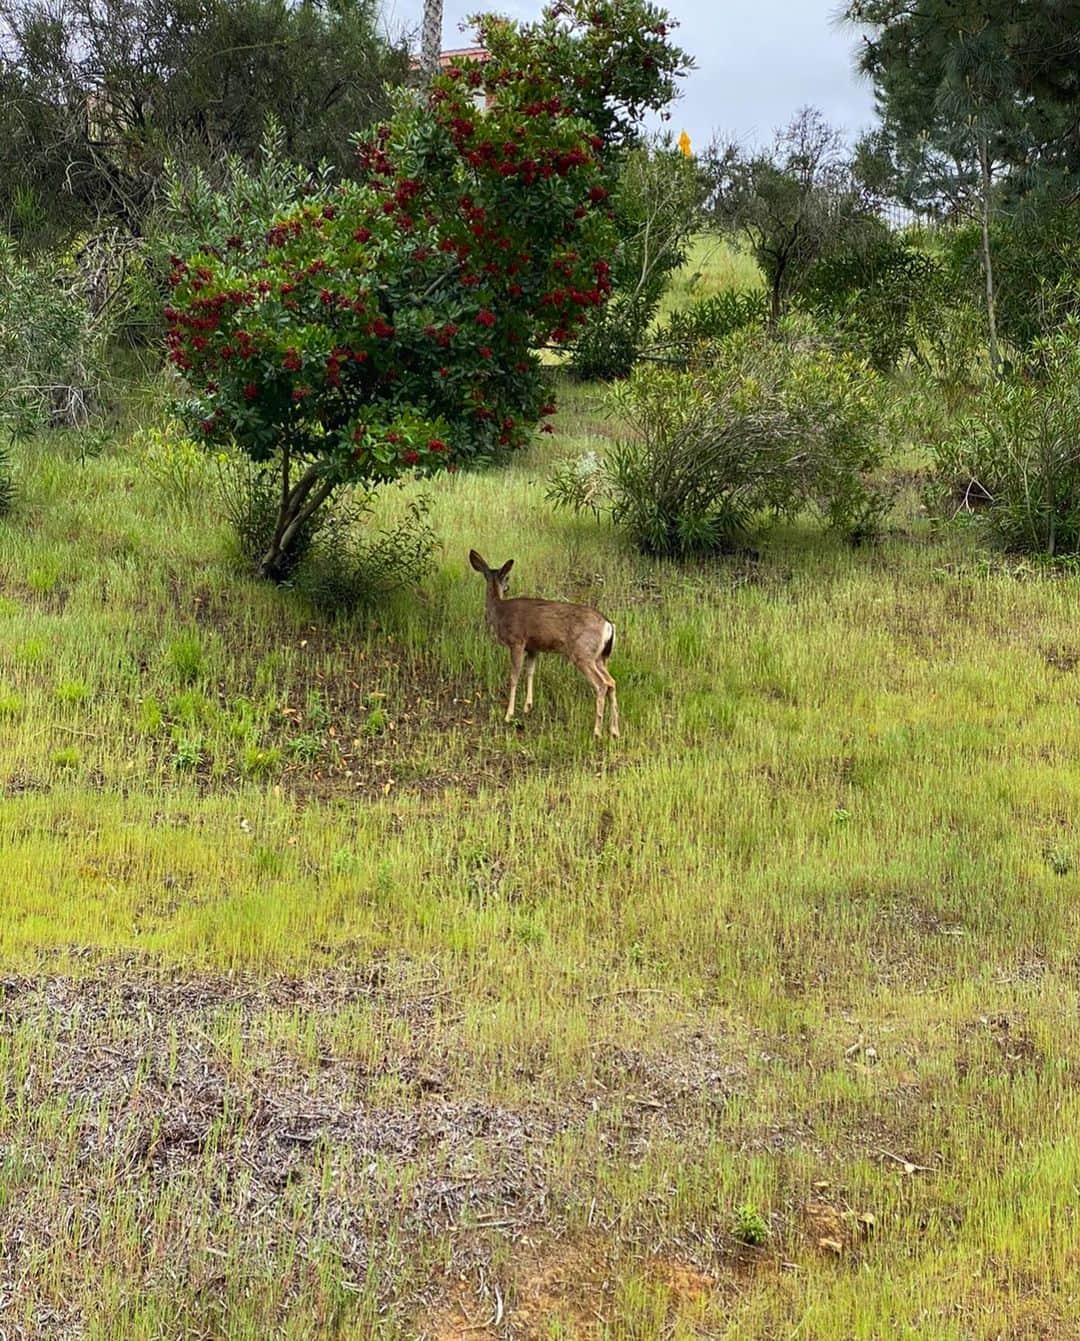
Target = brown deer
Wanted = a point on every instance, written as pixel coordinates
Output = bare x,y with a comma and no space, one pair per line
528,626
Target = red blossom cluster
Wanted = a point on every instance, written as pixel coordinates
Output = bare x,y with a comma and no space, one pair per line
483,232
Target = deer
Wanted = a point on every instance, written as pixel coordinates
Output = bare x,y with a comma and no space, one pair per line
529,626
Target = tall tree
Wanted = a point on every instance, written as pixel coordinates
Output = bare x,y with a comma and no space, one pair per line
96,95
431,37
979,105
360,331
794,202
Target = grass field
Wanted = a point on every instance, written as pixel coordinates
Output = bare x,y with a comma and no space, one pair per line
333,1007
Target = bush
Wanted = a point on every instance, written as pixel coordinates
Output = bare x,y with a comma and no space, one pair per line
767,428
1036,271
1013,463
689,332
750,1226
353,564
177,466
384,327
881,298
52,349
341,562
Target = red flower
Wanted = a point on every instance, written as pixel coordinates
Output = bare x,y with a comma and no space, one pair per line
436,445
382,329
410,458
597,193
362,235
291,362
484,352
485,318
250,391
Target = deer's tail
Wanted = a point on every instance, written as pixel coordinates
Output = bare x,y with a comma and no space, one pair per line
609,640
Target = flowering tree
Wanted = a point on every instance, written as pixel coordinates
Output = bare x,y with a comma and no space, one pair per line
390,325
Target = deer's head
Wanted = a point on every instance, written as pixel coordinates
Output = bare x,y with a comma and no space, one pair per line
497,579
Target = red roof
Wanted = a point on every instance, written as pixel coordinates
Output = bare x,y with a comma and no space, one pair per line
456,54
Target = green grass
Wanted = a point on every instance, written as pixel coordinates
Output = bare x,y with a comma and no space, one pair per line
334,1007
713,265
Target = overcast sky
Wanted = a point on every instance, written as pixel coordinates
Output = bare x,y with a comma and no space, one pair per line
758,61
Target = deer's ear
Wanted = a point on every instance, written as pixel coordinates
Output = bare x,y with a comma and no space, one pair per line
477,562
506,567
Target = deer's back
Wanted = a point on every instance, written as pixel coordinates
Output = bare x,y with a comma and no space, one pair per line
545,626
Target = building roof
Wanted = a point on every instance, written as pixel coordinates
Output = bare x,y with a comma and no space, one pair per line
456,54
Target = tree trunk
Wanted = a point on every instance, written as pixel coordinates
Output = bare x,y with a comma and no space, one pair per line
775,306
299,503
431,37
987,260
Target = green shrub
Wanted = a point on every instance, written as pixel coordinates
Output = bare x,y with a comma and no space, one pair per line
1036,258
376,722
187,754
339,561
52,347
750,1226
882,299
351,565
72,691
609,347
258,763
765,429
305,748
175,464
1013,463
708,322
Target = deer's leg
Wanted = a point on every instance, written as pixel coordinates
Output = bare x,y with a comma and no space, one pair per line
592,673
517,656
609,680
530,671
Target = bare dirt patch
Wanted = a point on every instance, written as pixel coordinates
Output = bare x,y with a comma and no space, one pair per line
222,1091
564,1288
